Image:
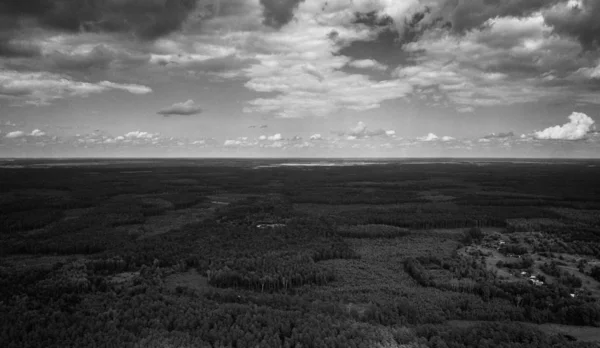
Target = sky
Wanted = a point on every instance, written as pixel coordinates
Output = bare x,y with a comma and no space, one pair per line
292,78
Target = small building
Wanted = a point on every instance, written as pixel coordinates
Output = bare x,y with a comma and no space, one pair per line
536,282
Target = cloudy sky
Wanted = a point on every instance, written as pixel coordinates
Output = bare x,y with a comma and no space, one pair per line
358,78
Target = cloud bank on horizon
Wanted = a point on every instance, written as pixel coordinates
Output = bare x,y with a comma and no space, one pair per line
359,139
379,75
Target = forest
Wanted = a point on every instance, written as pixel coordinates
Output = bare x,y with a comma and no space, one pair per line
252,253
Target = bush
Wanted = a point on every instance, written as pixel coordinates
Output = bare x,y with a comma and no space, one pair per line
473,234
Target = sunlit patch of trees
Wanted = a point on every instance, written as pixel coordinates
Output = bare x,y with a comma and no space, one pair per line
270,273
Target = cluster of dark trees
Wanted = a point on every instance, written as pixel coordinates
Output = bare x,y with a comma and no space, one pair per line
145,314
464,273
11,222
535,225
595,273
371,231
473,235
272,272
486,335
522,263
579,247
564,277
515,249
551,269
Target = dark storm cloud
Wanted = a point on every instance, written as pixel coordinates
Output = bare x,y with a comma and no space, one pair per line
412,27
145,19
420,22
17,49
278,13
582,23
465,15
382,47
208,9
9,46
373,19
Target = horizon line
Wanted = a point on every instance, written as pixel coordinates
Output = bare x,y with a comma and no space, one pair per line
293,158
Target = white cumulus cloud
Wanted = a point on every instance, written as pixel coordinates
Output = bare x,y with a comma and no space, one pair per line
590,73
131,88
466,109
367,64
15,134
139,135
276,137
429,137
230,142
316,137
578,126
362,131
359,129
37,133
